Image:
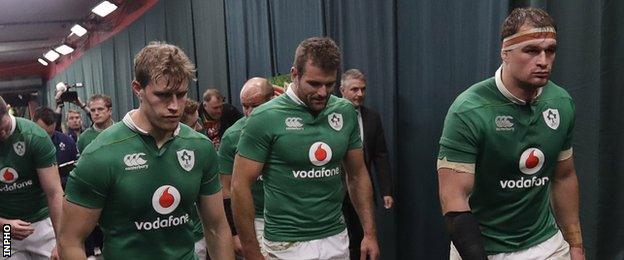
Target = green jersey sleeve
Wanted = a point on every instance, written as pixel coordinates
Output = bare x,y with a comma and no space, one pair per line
210,183
256,138
44,152
89,182
460,139
227,151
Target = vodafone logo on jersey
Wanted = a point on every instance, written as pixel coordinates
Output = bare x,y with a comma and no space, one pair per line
166,199
8,175
531,161
320,153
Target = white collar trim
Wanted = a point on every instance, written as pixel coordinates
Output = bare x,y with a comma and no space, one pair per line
291,94
127,120
13,124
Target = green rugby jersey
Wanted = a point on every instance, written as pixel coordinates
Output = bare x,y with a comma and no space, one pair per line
302,154
146,194
227,152
514,148
86,138
27,149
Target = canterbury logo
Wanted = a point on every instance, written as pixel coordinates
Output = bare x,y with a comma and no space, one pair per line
134,161
293,123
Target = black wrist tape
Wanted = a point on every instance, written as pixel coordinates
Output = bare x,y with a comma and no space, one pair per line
465,234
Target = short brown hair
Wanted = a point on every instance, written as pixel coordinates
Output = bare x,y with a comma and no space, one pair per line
158,60
46,115
107,100
191,106
322,52
352,74
530,15
210,93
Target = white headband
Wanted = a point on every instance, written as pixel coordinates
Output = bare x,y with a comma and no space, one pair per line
528,36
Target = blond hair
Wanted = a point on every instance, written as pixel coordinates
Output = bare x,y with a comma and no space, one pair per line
159,60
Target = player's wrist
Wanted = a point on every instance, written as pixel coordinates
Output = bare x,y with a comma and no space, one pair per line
370,233
572,234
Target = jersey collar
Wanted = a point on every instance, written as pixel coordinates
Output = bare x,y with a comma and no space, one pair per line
13,125
127,120
291,94
503,89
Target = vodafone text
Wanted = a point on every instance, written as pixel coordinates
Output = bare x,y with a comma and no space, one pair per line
16,186
524,182
171,221
316,173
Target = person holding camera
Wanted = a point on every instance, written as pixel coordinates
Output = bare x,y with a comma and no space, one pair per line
73,117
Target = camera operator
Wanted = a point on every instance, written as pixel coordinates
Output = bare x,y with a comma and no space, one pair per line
73,117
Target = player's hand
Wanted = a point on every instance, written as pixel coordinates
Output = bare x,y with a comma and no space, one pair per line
238,247
388,202
20,229
55,255
577,253
369,248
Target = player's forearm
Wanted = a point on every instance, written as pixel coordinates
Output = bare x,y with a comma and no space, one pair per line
55,206
243,208
361,195
454,190
565,200
219,240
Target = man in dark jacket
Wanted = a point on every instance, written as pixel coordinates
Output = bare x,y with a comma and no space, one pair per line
353,88
216,116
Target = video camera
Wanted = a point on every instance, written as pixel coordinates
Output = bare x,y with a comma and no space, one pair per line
68,96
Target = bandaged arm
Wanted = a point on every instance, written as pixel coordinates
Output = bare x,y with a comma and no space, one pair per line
455,185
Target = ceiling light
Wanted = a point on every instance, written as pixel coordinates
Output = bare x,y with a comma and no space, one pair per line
42,61
104,8
78,30
64,49
51,55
